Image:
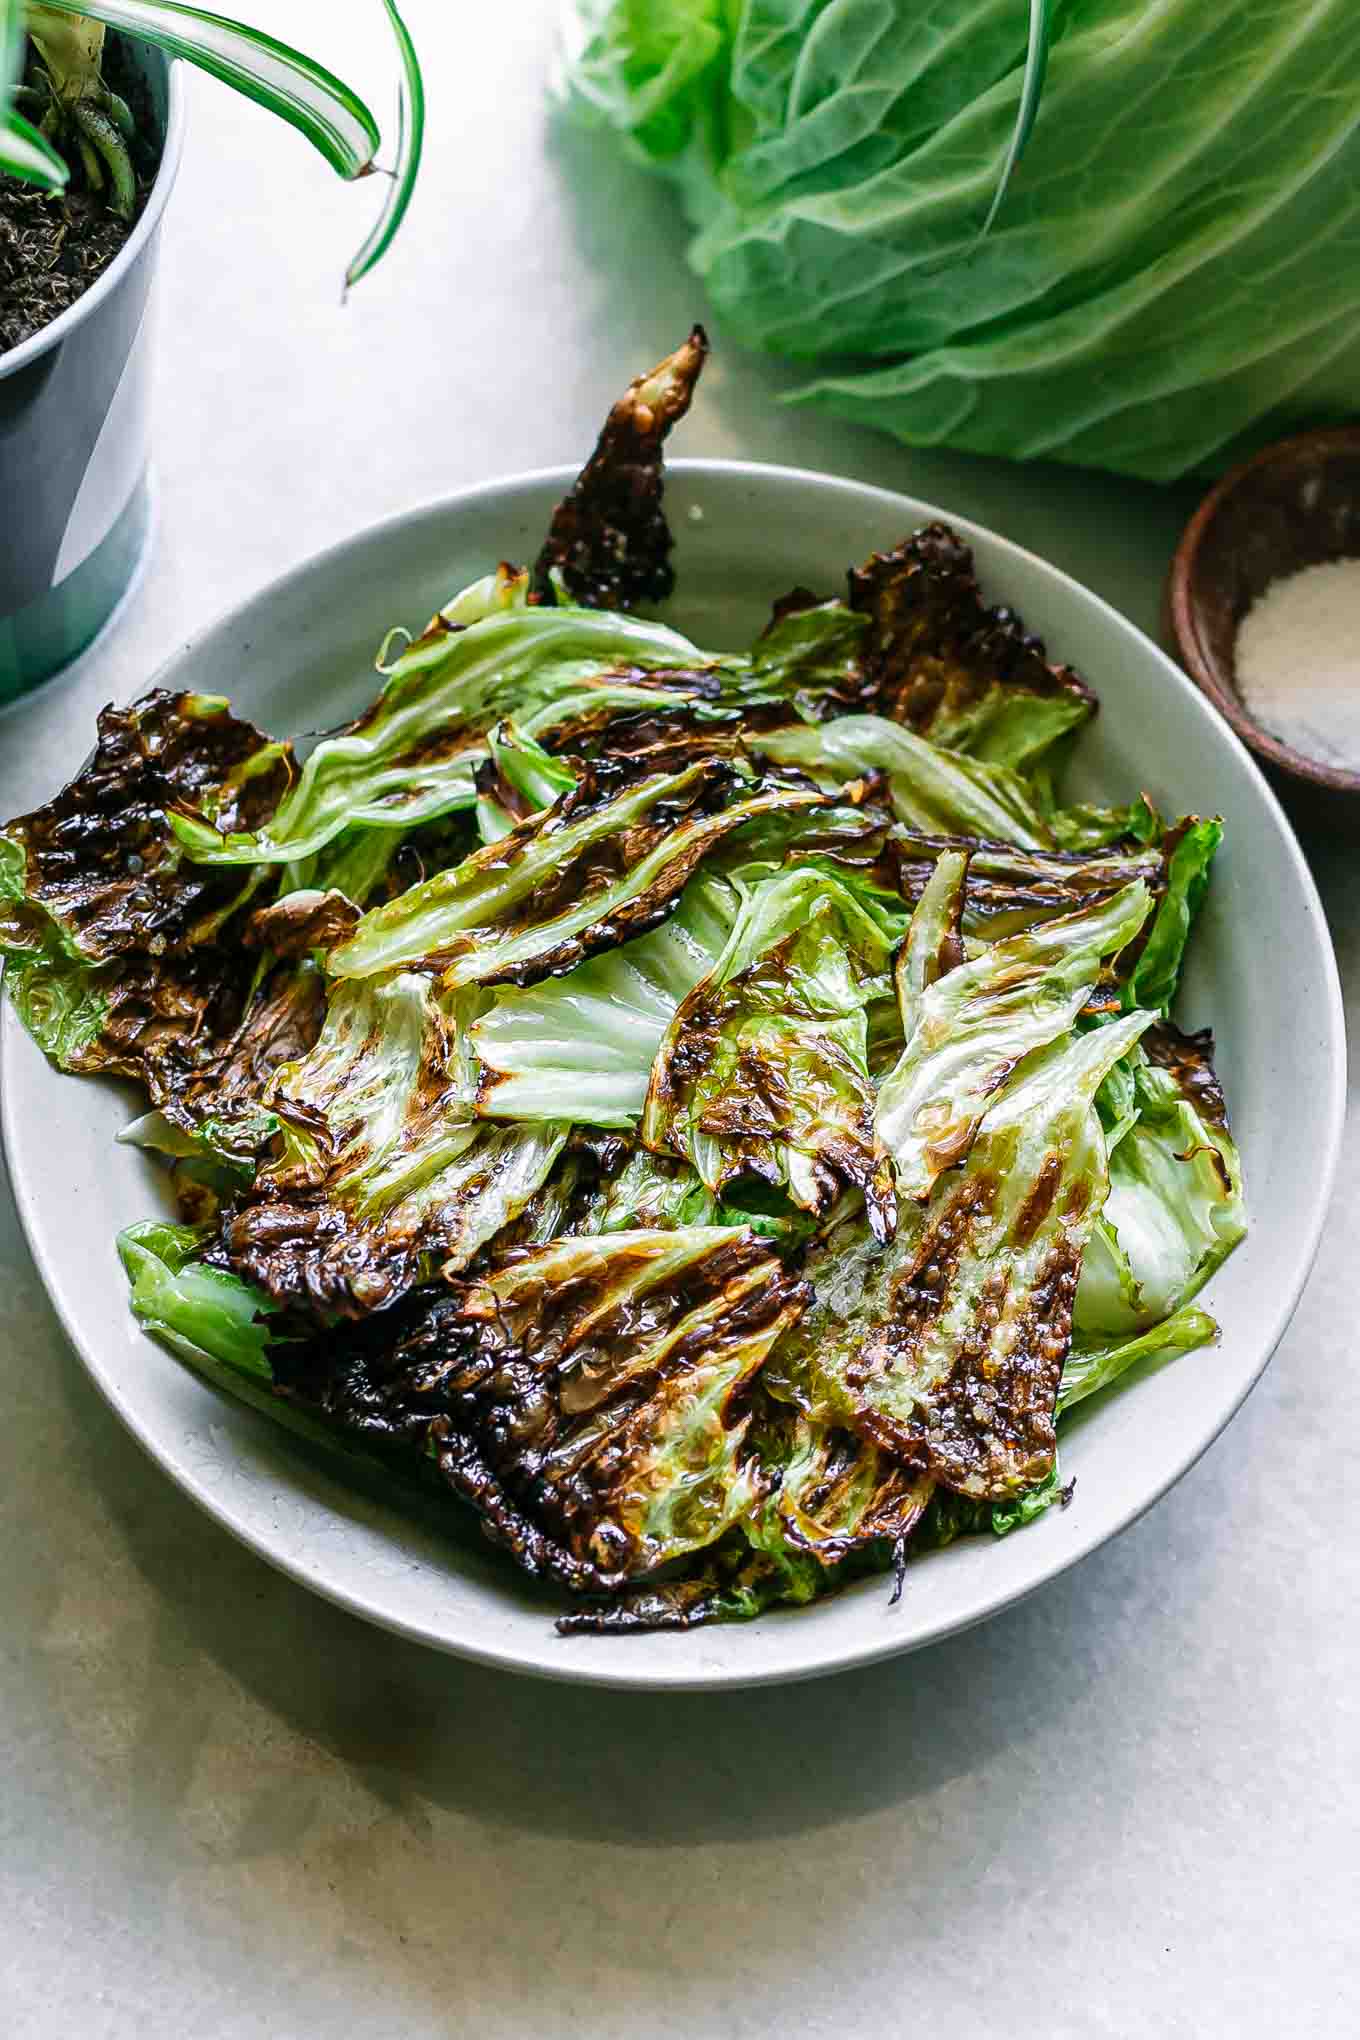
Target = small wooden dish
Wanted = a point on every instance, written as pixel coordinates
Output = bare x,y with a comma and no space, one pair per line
1291,506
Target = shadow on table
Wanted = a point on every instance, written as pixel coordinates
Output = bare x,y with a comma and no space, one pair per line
531,1755
312,1783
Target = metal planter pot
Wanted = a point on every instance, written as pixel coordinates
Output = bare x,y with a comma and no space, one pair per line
74,399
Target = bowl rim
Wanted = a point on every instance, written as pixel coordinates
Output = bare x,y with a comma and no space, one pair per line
364,1599
1182,619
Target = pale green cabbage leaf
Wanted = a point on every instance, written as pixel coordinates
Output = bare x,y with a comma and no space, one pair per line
1168,279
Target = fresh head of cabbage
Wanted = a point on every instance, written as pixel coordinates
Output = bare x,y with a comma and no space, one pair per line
1170,280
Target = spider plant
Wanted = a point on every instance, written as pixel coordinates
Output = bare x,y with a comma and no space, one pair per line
67,113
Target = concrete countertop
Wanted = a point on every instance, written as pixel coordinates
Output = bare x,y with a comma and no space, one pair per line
1127,1807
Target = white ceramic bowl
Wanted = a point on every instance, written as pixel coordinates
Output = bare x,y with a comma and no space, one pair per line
299,657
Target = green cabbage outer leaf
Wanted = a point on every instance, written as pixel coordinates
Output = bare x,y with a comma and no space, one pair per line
584,1044
975,1025
206,1310
1175,1209
574,881
1192,845
1155,294
763,1070
948,1347
1092,1366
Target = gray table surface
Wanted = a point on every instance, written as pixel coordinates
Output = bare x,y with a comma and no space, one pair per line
1128,1806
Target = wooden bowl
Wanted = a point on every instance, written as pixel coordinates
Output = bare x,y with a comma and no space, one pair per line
1291,506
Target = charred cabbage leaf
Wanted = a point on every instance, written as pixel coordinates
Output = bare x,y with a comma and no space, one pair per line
595,869
650,1192
763,1070
609,544
584,1044
970,678
949,1515
518,779
124,958
585,1397
948,1348
206,1312
838,1493
97,873
202,1033
1093,1365
229,1334
934,945
414,755
1007,890
383,1175
809,658
935,791
974,1026
1187,854
931,789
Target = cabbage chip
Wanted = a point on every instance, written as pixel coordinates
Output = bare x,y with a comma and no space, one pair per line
763,1069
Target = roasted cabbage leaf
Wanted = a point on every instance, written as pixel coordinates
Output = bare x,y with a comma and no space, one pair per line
586,1396
1175,1209
584,1043
98,874
969,677
415,753
122,957
974,1026
763,1069
1007,890
609,544
383,1173
948,1348
598,867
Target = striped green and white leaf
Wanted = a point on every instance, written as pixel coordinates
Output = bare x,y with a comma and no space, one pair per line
1031,92
23,151
291,85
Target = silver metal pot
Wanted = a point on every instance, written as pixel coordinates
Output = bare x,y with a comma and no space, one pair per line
75,508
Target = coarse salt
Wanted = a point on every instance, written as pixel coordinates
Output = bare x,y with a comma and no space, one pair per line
1297,661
